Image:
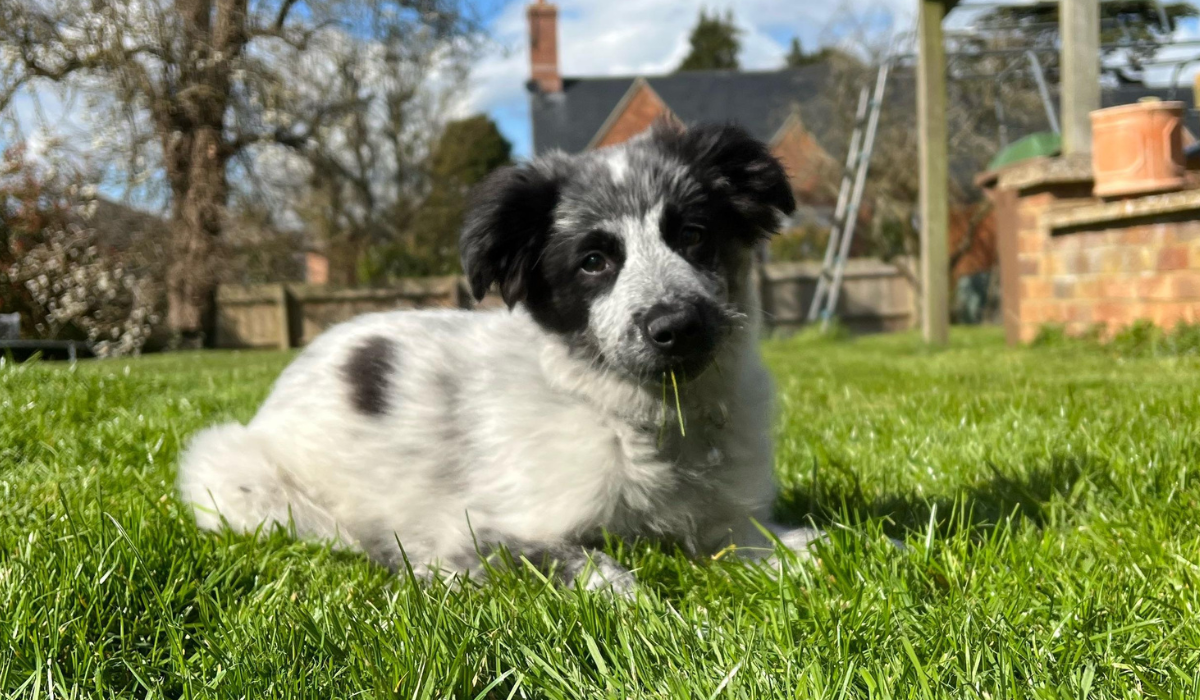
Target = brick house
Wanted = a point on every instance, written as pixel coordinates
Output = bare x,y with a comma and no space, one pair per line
778,107
782,108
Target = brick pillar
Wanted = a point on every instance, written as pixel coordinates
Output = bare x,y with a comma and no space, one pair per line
543,46
1005,202
1022,194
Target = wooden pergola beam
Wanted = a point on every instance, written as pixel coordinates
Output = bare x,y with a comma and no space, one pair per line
935,181
1080,31
1079,28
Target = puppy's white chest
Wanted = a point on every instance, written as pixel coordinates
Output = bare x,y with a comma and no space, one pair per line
662,475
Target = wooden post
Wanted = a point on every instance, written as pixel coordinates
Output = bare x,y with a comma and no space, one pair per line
285,332
935,182
1079,27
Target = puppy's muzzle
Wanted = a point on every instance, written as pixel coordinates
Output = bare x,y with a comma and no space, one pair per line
683,334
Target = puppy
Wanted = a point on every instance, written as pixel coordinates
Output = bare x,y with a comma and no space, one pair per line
623,391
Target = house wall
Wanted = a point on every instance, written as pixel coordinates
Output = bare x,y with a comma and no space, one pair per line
1005,202
316,268
640,111
808,166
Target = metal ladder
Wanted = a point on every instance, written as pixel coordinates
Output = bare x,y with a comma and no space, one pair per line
849,201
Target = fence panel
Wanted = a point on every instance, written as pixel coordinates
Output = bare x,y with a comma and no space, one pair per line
252,316
312,309
876,296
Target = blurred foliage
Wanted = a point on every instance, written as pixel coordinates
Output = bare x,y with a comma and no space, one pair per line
1141,338
805,242
31,201
74,266
255,251
467,151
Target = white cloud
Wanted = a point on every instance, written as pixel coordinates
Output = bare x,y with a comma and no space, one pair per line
622,37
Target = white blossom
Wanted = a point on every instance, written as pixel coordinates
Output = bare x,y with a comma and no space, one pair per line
76,286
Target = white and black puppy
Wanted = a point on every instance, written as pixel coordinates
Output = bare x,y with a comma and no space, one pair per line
438,435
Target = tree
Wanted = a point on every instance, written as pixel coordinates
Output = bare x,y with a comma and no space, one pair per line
28,206
359,178
796,57
468,150
715,44
198,83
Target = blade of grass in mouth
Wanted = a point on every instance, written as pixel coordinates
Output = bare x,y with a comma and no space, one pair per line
662,425
678,406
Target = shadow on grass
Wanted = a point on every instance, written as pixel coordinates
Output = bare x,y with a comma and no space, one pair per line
1024,496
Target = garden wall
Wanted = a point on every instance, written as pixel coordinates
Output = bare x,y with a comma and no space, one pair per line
1072,260
876,296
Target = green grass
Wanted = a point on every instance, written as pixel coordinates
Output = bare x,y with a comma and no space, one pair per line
1048,498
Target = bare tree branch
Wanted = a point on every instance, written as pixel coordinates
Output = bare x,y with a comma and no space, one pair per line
284,9
188,86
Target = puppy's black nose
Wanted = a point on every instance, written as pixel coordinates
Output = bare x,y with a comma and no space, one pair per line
675,330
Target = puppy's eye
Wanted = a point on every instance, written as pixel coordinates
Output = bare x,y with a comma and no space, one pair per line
594,264
691,236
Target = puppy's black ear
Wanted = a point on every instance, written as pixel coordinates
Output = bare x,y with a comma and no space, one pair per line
508,218
734,164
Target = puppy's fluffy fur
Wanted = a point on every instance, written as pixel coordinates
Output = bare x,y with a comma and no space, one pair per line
438,435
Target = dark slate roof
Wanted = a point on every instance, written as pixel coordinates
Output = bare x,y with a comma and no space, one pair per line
760,101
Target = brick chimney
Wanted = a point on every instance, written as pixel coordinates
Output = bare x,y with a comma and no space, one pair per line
543,46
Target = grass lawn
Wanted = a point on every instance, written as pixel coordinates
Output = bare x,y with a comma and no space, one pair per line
1048,497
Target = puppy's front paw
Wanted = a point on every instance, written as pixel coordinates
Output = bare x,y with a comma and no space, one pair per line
600,572
797,542
800,540
604,574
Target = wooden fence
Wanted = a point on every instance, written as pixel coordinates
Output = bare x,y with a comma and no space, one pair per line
876,296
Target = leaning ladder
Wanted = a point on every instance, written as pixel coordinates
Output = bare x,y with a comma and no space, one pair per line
849,201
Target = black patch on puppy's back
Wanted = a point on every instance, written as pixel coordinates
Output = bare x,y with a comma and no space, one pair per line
368,372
